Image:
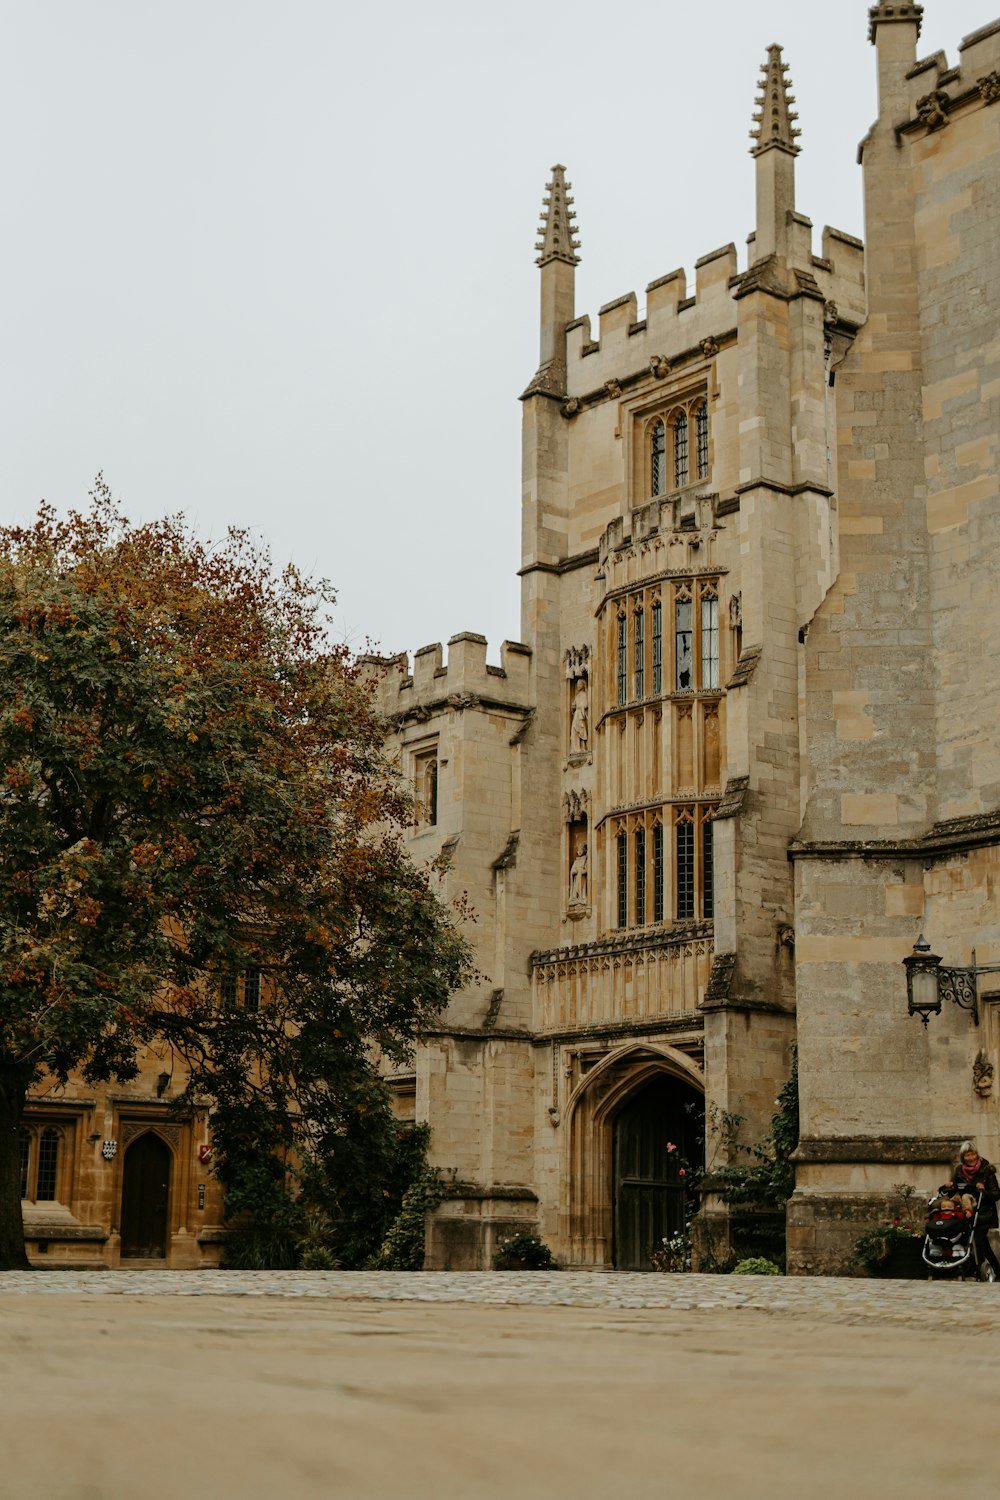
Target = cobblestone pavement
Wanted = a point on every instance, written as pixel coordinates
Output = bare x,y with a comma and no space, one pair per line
488,1386
842,1299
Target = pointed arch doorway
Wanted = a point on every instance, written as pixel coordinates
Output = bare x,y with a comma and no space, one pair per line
649,1188
145,1198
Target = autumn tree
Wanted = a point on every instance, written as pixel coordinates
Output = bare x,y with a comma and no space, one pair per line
193,786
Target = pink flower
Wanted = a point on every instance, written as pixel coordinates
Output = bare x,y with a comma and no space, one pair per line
682,1172
671,1146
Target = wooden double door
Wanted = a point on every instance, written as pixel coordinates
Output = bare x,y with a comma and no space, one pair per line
145,1216
658,1137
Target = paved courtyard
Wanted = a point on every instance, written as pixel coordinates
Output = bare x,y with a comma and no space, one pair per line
213,1385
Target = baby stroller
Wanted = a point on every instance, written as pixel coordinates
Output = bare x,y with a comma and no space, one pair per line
949,1247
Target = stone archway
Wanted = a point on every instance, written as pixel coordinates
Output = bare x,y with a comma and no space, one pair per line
145,1222
589,1219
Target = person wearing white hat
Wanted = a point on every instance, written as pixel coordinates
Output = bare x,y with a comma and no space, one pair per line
974,1174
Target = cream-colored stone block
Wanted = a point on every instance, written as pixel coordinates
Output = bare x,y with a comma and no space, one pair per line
871,809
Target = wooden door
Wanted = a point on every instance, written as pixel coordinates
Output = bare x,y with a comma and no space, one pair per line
145,1199
650,1191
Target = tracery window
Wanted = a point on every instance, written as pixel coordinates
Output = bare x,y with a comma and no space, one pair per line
657,613
683,641
425,784
672,448
640,876
658,458
709,636
694,863
664,871
680,449
639,652
622,848
684,833
701,438
622,659
658,884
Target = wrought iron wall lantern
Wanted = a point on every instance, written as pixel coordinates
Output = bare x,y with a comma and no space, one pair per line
929,983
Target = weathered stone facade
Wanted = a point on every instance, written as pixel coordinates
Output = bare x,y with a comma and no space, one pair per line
759,538
746,753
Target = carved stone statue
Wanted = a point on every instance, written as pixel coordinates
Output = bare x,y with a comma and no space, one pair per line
579,730
578,878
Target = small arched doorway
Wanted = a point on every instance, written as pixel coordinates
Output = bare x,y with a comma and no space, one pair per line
649,1176
145,1198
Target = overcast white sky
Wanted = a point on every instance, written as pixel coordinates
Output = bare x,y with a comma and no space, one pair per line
272,263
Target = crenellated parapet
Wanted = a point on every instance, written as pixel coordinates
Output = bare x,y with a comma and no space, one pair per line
466,680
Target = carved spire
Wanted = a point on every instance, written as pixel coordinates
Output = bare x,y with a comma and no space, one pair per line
557,228
775,120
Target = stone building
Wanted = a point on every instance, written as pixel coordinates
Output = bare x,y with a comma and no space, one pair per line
747,751
746,754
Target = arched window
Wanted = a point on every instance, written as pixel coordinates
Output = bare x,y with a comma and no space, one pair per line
658,459
701,438
640,877
621,844
680,449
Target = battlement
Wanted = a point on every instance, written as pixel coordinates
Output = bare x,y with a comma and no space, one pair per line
677,327
465,680
933,87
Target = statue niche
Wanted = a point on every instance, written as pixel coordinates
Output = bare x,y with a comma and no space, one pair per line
579,731
579,869
576,663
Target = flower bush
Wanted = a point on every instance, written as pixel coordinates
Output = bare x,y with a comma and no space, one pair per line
524,1252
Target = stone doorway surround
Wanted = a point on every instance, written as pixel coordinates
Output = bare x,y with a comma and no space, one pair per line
588,1227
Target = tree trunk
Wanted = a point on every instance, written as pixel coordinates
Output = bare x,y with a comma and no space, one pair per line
12,1092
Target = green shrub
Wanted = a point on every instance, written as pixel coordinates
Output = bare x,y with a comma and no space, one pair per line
756,1265
524,1252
